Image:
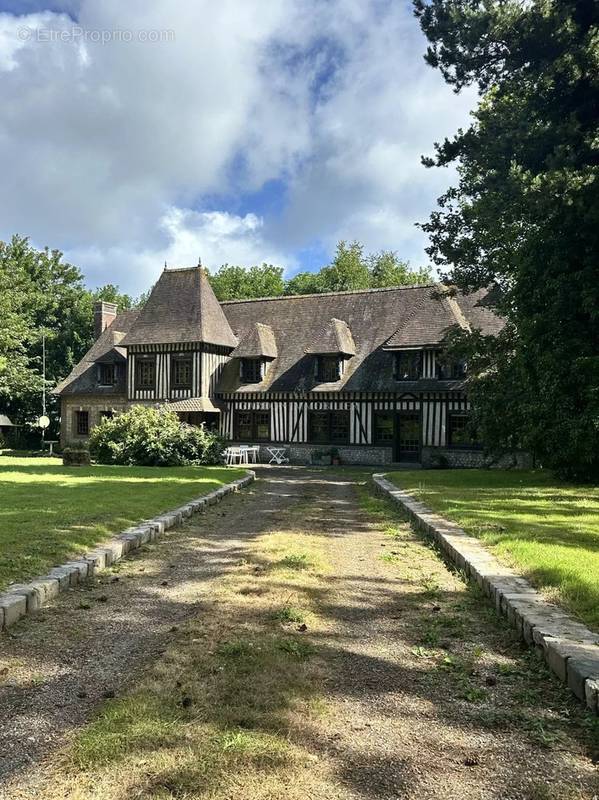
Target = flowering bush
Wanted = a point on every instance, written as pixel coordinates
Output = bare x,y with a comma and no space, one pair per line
153,437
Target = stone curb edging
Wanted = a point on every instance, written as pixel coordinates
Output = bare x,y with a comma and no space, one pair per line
570,649
21,599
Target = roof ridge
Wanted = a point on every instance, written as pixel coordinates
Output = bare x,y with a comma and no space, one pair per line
183,269
457,313
330,294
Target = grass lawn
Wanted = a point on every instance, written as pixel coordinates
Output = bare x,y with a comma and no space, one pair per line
49,512
547,529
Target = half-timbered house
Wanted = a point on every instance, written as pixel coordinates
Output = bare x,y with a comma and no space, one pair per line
358,371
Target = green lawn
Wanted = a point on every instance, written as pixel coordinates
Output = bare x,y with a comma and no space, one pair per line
49,512
547,529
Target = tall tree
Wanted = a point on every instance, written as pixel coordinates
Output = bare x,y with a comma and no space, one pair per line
304,283
387,269
525,213
347,271
237,283
42,297
112,294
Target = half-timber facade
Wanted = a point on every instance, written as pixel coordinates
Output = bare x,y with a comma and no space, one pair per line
362,372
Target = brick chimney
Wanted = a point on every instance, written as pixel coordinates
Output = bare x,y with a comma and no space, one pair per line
104,314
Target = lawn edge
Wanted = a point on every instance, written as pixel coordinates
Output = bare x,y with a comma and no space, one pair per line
22,599
570,649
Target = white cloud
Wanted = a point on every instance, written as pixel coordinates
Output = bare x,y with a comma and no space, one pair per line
216,237
106,149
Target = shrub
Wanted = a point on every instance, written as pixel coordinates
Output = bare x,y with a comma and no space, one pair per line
153,437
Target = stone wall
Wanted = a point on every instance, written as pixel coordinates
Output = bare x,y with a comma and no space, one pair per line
468,459
94,405
300,453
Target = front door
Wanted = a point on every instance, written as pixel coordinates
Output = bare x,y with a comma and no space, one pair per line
407,436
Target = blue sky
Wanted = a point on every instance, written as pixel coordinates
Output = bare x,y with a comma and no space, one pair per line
240,132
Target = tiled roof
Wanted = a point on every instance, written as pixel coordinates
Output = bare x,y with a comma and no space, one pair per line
428,322
395,317
361,325
106,348
194,404
258,340
334,339
181,308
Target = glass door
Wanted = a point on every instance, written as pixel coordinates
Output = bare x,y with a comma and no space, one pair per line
408,435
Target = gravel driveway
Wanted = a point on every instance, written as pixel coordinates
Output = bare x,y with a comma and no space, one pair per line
428,695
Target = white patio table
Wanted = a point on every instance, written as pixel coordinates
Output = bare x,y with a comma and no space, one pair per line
278,455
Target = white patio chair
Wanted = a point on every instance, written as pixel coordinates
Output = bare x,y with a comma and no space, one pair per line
233,455
244,450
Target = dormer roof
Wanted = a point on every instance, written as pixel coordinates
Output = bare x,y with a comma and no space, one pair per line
335,338
258,341
429,321
106,349
182,307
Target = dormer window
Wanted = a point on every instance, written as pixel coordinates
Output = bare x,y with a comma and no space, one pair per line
328,369
251,370
332,346
454,370
106,374
408,365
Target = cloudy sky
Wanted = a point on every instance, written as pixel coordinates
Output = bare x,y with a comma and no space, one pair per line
134,132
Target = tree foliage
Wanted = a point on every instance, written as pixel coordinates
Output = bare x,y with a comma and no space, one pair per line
234,283
41,296
349,269
525,214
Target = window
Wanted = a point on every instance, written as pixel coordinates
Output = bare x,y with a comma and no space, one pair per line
328,427
106,375
452,370
251,370
318,426
459,433
82,423
106,414
252,425
339,421
384,427
243,425
262,425
181,373
407,365
328,369
145,372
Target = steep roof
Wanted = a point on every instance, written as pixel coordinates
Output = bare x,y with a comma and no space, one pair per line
181,308
373,316
83,377
362,323
258,340
429,321
335,338
479,309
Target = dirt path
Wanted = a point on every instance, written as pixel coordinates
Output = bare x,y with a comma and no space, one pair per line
419,691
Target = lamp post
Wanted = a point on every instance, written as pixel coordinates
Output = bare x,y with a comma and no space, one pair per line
44,420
